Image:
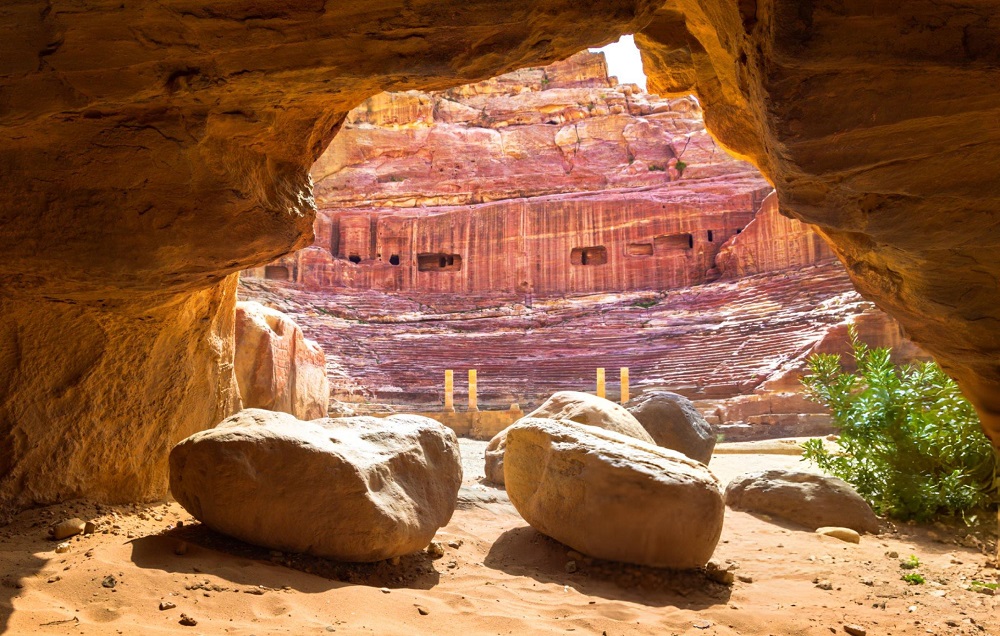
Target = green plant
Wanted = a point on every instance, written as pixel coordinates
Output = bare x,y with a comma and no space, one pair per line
985,584
655,167
646,303
679,166
911,563
909,442
914,578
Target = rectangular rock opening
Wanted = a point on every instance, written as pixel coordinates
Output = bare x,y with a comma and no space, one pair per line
710,236
673,242
436,262
639,249
595,255
277,272
394,259
354,258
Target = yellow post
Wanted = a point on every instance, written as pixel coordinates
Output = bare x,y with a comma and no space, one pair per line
449,390
600,382
473,400
624,375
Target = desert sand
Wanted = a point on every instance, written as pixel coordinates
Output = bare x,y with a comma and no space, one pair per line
497,576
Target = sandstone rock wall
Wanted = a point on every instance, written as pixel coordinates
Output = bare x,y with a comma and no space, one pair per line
771,242
277,368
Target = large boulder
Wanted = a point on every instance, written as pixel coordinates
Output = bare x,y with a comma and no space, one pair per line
573,406
611,496
806,499
352,489
277,368
673,422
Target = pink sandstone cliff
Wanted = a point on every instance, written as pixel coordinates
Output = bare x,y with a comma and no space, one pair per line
541,182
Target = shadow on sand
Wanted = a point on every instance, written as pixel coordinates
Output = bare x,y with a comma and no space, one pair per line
526,552
208,552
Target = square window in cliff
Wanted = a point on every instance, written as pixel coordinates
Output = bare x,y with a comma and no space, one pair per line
439,262
277,272
394,259
639,249
596,255
673,242
711,236
354,258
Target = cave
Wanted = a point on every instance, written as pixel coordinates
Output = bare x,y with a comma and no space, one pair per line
152,152
595,255
394,259
439,262
276,272
857,173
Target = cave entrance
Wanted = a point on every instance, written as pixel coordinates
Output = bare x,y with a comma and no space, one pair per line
277,272
596,255
438,262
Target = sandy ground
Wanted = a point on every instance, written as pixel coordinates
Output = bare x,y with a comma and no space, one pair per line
497,576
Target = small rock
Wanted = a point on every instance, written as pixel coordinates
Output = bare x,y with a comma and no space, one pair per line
67,529
844,534
855,630
394,561
385,590
455,544
89,528
166,605
744,578
435,549
187,621
109,582
701,624
720,573
988,591
181,548
570,567
62,547
868,582
423,611
825,585
892,554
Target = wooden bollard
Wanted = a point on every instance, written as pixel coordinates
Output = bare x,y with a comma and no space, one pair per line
449,390
624,376
600,382
473,399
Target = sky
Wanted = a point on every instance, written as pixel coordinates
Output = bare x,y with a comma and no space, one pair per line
624,61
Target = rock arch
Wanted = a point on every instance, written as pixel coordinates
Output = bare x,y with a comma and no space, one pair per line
150,151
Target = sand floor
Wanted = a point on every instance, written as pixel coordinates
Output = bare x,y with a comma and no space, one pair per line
497,576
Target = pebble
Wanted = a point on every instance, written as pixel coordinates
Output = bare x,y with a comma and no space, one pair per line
187,621
67,529
62,547
89,528
455,544
166,605
824,585
892,554
385,590
423,611
181,548
744,578
435,549
109,582
855,630
844,534
720,573
570,567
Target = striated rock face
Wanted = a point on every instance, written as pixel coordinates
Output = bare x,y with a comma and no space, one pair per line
353,489
277,368
771,242
542,182
149,151
611,496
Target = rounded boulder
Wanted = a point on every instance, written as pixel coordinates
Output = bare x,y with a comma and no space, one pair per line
673,422
613,497
352,489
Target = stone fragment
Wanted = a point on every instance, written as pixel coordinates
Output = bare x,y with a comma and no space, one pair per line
855,630
844,534
673,422
352,489
573,406
720,572
187,621
166,605
612,497
435,549
824,585
277,368
109,582
62,548
66,529
809,500
89,527
423,611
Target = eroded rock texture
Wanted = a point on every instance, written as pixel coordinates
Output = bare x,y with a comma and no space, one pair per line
831,100
277,368
147,152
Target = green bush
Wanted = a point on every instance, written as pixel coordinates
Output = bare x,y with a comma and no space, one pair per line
909,442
